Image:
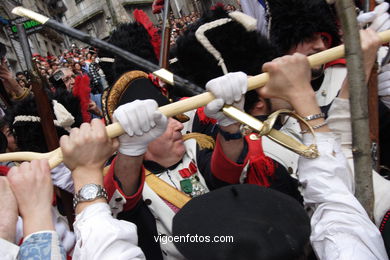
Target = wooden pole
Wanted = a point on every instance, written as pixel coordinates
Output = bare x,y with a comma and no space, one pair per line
359,105
45,112
369,5
165,37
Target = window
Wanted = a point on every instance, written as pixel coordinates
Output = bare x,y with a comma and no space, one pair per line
54,49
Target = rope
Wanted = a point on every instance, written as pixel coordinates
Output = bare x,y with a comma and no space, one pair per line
207,44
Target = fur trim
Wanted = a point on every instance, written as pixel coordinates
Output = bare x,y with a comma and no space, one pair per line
293,21
71,103
29,135
155,39
133,38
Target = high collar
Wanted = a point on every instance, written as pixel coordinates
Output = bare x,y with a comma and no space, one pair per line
157,168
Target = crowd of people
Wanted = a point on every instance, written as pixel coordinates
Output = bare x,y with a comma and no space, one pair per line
168,184
179,25
82,61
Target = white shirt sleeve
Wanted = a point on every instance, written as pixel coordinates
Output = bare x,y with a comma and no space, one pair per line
100,236
8,250
386,101
341,229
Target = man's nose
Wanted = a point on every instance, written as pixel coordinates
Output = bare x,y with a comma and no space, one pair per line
177,126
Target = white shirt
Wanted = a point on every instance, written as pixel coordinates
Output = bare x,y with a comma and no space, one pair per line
100,236
339,121
341,229
8,250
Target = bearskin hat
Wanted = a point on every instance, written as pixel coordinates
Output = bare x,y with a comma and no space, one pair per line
140,38
134,38
241,50
29,135
293,21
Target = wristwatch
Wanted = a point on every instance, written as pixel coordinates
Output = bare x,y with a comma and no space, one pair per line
89,192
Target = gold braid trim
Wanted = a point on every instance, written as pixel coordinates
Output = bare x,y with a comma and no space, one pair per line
204,141
119,88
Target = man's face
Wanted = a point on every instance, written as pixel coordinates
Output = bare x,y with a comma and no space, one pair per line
45,64
171,142
319,42
22,76
68,79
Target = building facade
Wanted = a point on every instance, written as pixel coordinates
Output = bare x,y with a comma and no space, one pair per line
41,42
99,17
94,17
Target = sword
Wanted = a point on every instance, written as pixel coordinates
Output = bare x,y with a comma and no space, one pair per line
251,124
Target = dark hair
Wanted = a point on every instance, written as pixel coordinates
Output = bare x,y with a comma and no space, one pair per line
3,123
293,21
3,143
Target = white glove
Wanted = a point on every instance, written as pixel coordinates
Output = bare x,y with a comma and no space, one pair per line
384,85
142,122
379,18
62,178
228,89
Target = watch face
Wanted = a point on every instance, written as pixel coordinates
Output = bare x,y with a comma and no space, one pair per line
89,192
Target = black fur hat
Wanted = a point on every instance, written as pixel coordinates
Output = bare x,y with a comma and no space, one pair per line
134,38
241,50
293,21
29,135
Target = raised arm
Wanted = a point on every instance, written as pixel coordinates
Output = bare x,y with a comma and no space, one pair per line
341,228
99,235
31,183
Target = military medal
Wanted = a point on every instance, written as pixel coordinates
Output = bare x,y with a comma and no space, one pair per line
191,184
186,186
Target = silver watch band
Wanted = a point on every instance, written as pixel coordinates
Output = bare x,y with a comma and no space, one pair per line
102,193
316,116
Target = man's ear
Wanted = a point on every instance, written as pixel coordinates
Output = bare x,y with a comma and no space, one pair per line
260,108
259,104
